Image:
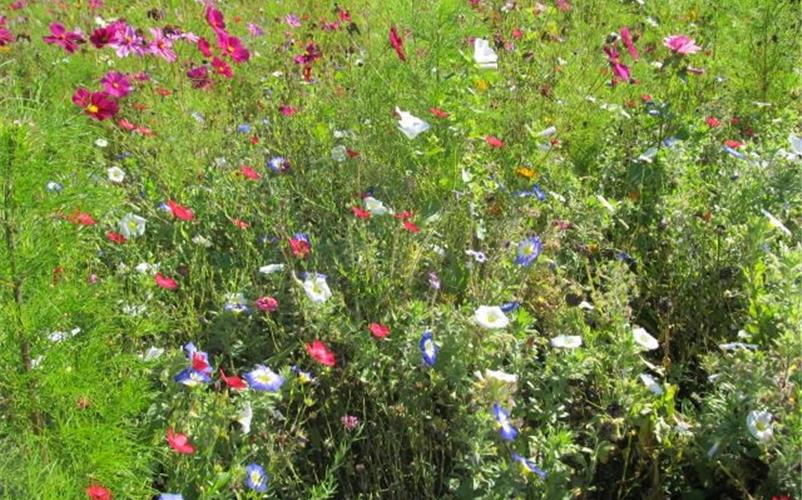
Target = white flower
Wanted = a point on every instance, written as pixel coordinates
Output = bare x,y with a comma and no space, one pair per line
491,317
479,257
316,288
144,267
59,336
507,378
566,341
116,175
651,384
644,339
101,142
271,268
796,145
411,126
202,241
152,353
484,56
339,154
132,226
245,416
375,207
759,424
548,132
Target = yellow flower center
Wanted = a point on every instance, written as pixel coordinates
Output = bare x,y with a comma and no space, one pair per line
92,108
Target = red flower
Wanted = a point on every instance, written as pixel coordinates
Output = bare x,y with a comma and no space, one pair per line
179,442
439,113
300,248
397,43
81,218
115,237
378,330
126,125
493,141
351,153
233,381
287,110
733,144
249,173
360,213
98,492
180,212
321,353
412,228
98,105
222,67
406,214
204,47
166,282
200,363
254,140
712,122
163,91
517,33
241,224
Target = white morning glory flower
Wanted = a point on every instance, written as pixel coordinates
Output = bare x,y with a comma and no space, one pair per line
271,268
491,317
132,225
316,288
507,378
116,175
484,56
644,339
759,425
651,384
566,341
375,207
245,416
152,353
410,125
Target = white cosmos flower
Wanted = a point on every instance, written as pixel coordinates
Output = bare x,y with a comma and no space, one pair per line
644,339
484,56
116,175
245,416
132,225
271,268
566,341
491,317
411,126
316,288
651,384
375,207
759,424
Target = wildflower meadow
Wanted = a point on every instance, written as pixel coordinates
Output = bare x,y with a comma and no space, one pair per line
466,249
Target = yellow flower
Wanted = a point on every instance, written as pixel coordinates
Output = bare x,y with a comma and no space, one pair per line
526,172
482,85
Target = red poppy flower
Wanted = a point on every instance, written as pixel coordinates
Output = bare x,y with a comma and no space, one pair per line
360,213
321,353
300,248
200,363
116,237
493,141
439,113
233,381
166,282
98,105
180,212
733,144
378,330
712,122
411,227
98,492
249,173
397,43
254,140
81,218
179,442
406,214
241,224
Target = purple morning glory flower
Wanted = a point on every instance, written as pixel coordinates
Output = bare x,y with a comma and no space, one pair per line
255,477
263,378
506,430
428,348
528,465
528,251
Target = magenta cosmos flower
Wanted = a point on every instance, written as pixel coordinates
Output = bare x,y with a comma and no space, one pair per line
232,47
68,40
161,46
98,105
116,84
681,44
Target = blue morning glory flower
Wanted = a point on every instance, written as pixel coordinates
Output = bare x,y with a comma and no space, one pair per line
528,251
278,164
506,430
428,348
510,306
192,378
528,465
171,496
535,191
263,378
255,477
734,153
199,360
244,128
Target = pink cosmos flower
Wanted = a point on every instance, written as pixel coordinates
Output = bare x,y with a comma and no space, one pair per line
98,105
321,353
397,43
221,67
293,21
204,47
232,47
255,30
5,37
126,41
215,19
626,37
681,44
68,40
116,84
199,76
161,46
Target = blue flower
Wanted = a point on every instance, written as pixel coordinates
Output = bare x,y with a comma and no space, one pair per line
192,378
528,465
244,128
278,164
428,348
263,378
734,153
510,306
506,430
535,191
528,251
199,360
304,376
54,187
171,496
255,477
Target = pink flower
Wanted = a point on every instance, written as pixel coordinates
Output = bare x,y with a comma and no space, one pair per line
493,141
255,30
712,122
287,110
215,19
204,47
161,46
98,105
68,40
397,43
379,330
199,76
116,84
221,67
293,21
268,304
350,422
179,211
98,492
626,37
166,282
5,37
126,41
179,442
681,44
321,353
232,47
